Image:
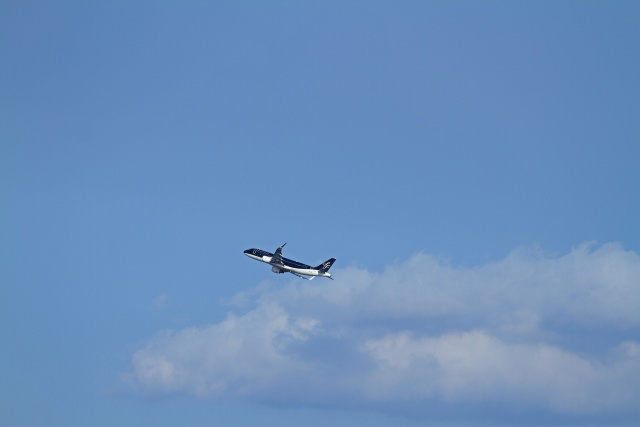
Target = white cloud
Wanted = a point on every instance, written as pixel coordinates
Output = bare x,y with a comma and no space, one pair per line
241,356
158,303
531,331
476,366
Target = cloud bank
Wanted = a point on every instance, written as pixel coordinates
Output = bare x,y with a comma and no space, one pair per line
557,335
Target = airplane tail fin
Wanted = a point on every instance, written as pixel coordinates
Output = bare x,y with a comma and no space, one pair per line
325,266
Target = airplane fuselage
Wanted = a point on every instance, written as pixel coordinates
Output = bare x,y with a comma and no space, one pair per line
280,264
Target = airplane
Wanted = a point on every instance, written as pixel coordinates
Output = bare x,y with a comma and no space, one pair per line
283,265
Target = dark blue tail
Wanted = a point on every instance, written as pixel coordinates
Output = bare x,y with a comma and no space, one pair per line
325,266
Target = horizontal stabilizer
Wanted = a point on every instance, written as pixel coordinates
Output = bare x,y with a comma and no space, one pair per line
300,275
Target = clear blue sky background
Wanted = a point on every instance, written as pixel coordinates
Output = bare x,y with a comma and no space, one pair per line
436,149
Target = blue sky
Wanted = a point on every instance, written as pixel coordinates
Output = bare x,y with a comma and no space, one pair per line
472,166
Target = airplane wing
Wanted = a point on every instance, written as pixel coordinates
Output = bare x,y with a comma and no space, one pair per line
277,256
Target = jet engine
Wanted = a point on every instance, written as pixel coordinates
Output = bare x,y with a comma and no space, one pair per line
276,270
